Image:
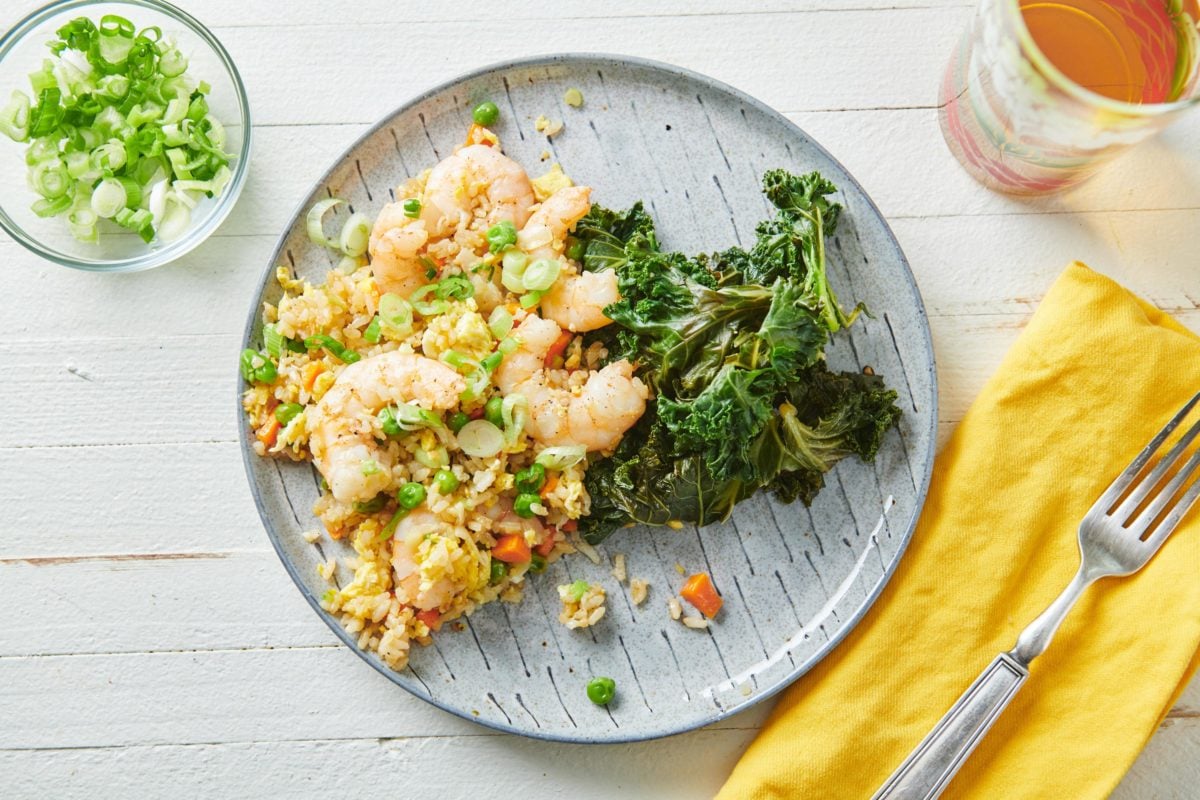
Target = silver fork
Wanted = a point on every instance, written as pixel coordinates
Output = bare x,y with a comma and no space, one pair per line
1112,542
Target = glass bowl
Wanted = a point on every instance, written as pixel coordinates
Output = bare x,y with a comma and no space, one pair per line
22,50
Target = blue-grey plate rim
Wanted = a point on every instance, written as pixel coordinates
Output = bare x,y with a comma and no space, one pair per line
392,675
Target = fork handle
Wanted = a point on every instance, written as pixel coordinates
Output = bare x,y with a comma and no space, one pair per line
927,770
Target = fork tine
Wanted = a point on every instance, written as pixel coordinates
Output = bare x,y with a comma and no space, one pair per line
1123,480
1165,496
1159,535
1140,492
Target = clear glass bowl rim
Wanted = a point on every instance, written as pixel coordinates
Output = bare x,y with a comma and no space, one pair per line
195,236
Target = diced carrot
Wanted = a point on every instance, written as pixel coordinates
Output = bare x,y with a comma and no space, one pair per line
548,543
558,348
311,370
431,618
478,134
700,592
550,484
512,549
570,525
269,430
335,531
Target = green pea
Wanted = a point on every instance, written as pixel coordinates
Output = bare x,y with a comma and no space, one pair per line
575,249
388,421
537,563
501,235
410,495
524,504
412,208
286,412
531,479
445,480
601,690
499,572
485,113
373,505
493,412
457,420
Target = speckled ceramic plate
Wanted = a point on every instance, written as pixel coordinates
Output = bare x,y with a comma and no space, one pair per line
794,579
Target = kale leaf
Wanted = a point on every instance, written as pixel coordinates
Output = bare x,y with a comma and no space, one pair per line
732,345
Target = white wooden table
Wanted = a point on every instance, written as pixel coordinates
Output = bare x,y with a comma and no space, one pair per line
151,643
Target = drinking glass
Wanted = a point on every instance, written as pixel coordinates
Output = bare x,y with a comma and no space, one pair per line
1019,124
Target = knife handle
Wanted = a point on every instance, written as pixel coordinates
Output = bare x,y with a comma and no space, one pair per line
929,768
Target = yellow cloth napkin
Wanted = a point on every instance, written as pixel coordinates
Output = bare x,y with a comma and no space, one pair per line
1094,375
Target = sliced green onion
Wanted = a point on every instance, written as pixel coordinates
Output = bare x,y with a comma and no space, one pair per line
370,467
50,178
356,232
541,274
108,198
501,236
14,118
404,417
454,287
172,63
425,307
373,332
314,225
176,218
395,316
335,348
507,345
512,274
560,457
491,362
481,439
578,589
273,341
435,459
136,220
389,529
530,299
412,208
45,207
175,111
514,259
515,411
459,361
500,322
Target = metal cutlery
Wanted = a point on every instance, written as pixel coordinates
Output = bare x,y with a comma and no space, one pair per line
1123,529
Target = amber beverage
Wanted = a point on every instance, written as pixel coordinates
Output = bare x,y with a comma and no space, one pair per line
1040,93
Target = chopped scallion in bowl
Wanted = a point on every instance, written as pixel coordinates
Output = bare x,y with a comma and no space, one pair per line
135,131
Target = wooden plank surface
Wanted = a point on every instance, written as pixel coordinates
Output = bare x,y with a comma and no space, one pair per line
165,651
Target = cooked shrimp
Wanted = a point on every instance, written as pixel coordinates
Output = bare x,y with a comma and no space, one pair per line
341,431
545,234
410,588
395,247
609,404
506,520
452,192
457,182
576,301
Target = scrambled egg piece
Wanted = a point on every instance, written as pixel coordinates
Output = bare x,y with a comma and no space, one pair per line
551,182
462,329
